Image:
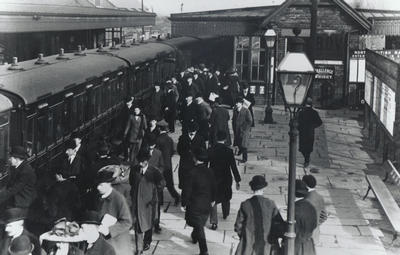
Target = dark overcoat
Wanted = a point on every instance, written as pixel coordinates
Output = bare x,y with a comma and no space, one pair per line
200,192
309,120
134,129
188,115
116,206
101,247
185,150
241,123
203,116
213,85
21,187
306,222
166,145
219,122
223,164
156,103
144,196
253,225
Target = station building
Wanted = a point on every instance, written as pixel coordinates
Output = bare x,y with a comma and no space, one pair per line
244,29
30,27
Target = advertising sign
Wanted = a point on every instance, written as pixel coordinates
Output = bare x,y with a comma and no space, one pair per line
369,83
324,72
388,107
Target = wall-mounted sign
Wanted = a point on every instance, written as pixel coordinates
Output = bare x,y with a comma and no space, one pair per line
252,89
262,90
369,83
324,72
388,107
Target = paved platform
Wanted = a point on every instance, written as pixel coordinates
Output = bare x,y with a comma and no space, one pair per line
354,226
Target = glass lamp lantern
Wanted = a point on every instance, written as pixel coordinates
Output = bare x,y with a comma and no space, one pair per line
295,73
270,36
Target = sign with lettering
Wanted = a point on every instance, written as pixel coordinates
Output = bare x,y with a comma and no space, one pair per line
388,107
324,72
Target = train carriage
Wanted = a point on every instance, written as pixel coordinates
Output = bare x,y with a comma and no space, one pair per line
43,101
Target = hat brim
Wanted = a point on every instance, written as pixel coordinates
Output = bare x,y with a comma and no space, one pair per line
257,186
91,222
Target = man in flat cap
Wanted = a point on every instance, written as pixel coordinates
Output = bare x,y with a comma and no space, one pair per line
145,180
97,245
13,220
166,145
114,212
241,123
20,190
219,121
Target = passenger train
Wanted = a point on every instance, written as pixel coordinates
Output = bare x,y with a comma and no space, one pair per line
43,101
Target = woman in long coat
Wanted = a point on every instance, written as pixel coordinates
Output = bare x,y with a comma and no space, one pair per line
199,193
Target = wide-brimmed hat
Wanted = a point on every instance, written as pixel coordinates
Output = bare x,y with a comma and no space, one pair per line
258,182
104,176
12,215
21,245
18,152
91,217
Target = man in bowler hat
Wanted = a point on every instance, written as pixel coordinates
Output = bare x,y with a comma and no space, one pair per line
166,145
115,214
199,197
306,221
21,188
309,120
21,245
255,219
13,220
145,180
223,164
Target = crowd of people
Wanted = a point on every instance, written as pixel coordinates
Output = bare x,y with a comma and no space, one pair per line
119,191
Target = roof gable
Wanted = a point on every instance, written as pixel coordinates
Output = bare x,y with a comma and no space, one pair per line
363,22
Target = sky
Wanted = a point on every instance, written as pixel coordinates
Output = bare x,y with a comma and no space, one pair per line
166,7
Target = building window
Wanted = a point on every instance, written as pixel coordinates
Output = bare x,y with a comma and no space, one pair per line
250,58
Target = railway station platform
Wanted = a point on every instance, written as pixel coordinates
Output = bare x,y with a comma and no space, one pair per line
339,162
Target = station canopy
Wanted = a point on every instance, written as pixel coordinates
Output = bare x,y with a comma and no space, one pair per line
18,16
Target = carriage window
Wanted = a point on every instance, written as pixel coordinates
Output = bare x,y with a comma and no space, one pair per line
89,106
58,121
29,135
50,131
80,106
41,130
4,126
97,101
67,118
